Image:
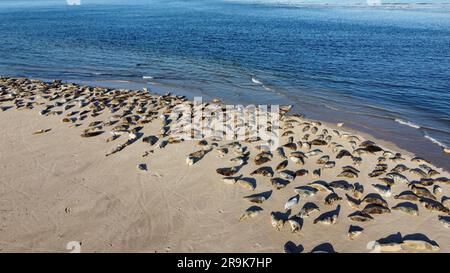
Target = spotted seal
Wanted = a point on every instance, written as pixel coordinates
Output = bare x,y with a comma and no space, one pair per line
332,198
308,209
354,232
251,212
360,216
408,208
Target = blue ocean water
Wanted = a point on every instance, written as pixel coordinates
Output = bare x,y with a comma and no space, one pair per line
382,70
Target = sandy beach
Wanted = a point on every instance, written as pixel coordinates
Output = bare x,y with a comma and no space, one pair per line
57,187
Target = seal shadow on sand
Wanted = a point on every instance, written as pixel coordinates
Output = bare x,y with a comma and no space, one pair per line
265,194
324,248
6,108
291,247
283,215
420,237
134,140
398,238
329,214
251,181
392,238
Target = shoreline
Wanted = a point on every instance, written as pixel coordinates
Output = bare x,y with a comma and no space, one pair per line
394,134
71,191
353,128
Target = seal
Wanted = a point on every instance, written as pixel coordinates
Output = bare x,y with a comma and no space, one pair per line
398,178
408,208
279,183
433,205
258,198
445,220
308,209
376,209
264,171
316,174
92,134
399,168
288,175
352,202
261,160
354,232
297,157
280,152
343,153
348,174
359,216
418,172
296,224
332,198
246,184
383,190
291,202
323,159
422,192
418,244
374,198
227,171
231,180
407,195
276,221
377,246
282,165
341,184
327,218
251,212
305,191
321,186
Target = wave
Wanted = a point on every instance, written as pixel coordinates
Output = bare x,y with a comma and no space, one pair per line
147,77
435,141
344,3
267,88
407,123
379,108
330,107
115,81
256,81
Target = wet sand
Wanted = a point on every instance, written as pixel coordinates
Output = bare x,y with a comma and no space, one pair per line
57,187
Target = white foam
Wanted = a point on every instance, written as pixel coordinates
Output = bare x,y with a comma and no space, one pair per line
267,88
407,123
330,107
254,80
147,77
435,141
258,82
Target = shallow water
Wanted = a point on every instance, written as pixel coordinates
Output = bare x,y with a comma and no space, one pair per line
381,70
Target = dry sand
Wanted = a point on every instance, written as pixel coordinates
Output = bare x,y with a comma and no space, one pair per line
57,187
